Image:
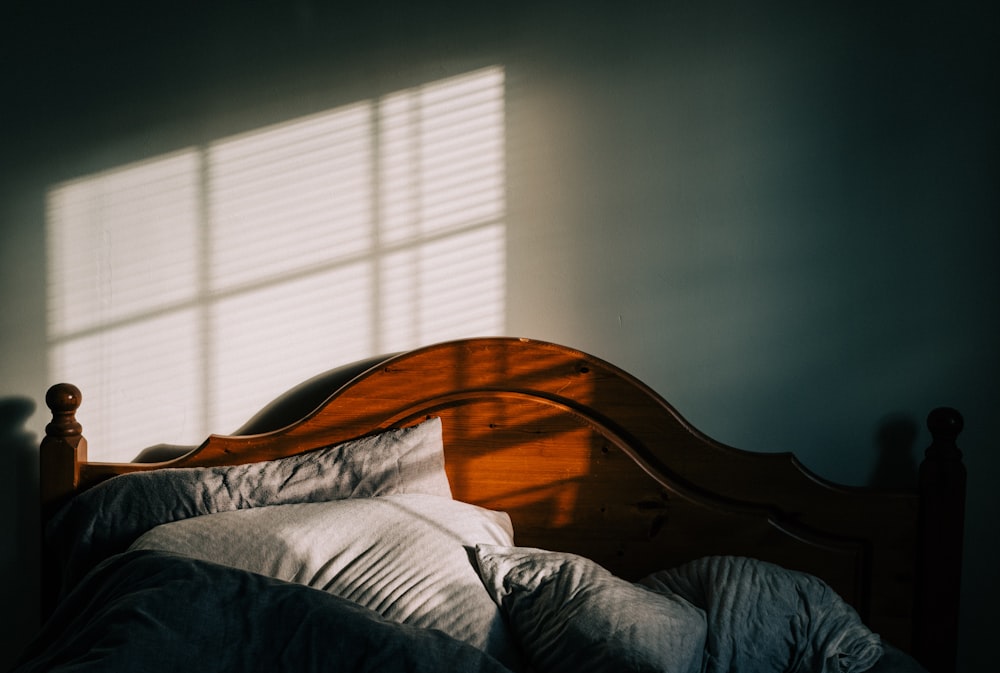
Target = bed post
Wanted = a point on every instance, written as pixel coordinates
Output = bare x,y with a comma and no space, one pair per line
60,453
939,553
62,448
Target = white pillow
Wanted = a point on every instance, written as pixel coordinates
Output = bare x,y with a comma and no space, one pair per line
107,518
570,615
405,555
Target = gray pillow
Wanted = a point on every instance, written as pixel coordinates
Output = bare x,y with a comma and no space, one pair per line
571,615
404,556
105,519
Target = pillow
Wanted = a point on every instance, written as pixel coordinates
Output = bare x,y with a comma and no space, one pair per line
105,519
403,556
570,614
768,619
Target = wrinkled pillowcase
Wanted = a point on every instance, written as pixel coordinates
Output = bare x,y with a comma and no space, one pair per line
105,519
404,556
763,618
571,615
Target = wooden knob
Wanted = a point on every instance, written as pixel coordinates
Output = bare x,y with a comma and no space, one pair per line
63,399
945,424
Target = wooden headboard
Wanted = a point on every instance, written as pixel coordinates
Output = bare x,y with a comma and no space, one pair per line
586,458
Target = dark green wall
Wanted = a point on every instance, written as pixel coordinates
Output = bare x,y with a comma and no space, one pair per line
783,217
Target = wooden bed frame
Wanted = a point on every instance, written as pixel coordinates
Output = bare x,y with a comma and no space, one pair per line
586,458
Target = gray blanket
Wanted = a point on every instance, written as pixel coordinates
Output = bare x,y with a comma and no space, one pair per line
766,619
156,612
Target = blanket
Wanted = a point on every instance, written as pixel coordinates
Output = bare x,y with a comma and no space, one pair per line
763,618
157,612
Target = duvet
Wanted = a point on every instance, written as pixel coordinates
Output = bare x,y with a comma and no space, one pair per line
154,611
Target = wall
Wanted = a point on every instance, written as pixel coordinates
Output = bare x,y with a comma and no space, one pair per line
782,218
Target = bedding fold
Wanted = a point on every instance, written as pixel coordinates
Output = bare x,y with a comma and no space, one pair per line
157,612
763,618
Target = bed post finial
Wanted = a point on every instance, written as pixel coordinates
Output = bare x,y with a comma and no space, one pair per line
63,399
942,523
945,425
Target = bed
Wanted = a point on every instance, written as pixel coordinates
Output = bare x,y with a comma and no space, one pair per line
493,504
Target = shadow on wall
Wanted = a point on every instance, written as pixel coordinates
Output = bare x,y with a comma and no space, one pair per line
896,465
18,525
